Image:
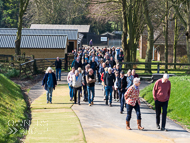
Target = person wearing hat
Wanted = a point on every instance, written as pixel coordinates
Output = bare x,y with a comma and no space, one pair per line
161,95
50,83
133,101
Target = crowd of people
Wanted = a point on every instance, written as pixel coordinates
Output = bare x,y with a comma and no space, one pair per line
102,64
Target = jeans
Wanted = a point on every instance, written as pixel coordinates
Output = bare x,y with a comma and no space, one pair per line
90,89
122,99
49,94
129,111
85,92
108,90
75,90
158,106
58,71
120,95
70,91
99,80
116,95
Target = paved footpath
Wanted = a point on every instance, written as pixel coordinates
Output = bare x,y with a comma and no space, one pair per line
104,124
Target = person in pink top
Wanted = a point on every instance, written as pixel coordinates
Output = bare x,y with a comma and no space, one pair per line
161,95
133,101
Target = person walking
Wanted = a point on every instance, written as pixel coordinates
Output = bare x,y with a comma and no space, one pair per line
130,79
58,65
161,95
93,65
133,101
85,83
50,83
77,63
77,84
109,79
91,43
70,74
103,85
112,62
122,87
90,79
134,74
116,87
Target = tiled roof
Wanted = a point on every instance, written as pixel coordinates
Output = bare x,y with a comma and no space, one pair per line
81,28
72,34
34,41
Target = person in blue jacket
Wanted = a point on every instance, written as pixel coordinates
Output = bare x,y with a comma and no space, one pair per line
50,83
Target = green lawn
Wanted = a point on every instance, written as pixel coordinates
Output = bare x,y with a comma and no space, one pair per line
179,103
55,122
12,111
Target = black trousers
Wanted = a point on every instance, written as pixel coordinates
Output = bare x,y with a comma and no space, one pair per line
75,90
158,106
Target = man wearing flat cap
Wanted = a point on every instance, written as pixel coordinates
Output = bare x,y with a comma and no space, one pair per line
161,95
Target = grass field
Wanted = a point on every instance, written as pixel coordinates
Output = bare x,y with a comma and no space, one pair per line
12,111
179,103
55,122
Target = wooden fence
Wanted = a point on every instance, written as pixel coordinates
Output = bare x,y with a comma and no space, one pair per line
40,65
33,66
183,67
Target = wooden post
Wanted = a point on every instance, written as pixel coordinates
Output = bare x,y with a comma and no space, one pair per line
158,68
20,69
35,71
66,62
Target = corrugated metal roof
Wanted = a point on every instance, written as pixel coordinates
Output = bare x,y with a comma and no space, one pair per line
80,38
72,33
34,41
81,28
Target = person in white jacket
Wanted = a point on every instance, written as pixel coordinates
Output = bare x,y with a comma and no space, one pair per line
70,74
77,84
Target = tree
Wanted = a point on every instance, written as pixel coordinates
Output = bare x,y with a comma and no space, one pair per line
182,9
150,41
166,34
176,35
22,8
9,13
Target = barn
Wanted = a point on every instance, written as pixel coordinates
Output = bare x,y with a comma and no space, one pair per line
41,46
71,33
83,31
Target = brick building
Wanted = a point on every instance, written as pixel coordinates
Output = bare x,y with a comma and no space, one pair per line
159,44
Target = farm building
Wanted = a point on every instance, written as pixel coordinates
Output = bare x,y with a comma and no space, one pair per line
41,46
159,44
71,33
84,30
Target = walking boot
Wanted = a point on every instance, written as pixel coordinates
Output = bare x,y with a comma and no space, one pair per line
110,105
128,125
106,102
139,125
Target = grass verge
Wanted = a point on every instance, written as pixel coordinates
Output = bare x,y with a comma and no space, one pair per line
13,111
55,122
179,103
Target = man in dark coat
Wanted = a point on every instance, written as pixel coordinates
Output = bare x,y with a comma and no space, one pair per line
58,65
112,62
109,79
78,64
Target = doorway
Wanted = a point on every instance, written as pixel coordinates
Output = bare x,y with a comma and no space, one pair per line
70,47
